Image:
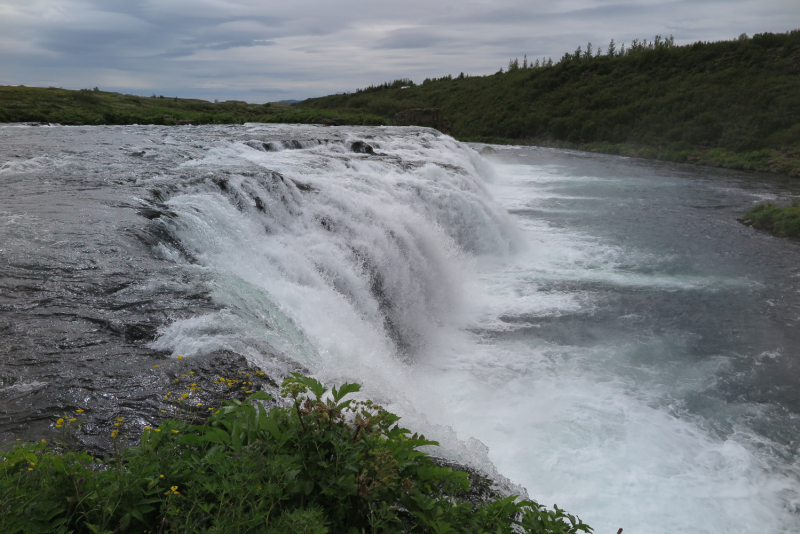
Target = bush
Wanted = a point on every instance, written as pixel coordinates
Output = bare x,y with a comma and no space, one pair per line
323,464
781,221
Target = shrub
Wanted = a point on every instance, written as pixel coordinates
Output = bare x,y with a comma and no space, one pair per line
323,464
781,221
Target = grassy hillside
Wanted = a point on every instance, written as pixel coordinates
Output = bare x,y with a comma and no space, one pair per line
731,103
33,104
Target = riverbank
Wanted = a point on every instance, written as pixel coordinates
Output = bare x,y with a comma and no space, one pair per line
785,161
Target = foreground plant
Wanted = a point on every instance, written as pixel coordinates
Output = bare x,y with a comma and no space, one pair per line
323,464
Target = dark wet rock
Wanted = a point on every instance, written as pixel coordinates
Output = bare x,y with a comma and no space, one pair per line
429,118
360,147
482,489
306,188
142,393
151,213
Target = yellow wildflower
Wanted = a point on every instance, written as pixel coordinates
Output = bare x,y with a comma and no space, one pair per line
79,410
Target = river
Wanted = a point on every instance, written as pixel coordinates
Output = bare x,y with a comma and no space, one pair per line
599,329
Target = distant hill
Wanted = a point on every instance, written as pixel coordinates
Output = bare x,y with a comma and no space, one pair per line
92,106
289,101
731,103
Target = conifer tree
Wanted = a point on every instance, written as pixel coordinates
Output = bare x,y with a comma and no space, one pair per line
537,64
589,50
612,48
525,62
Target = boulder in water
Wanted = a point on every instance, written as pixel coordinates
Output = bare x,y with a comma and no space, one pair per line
360,147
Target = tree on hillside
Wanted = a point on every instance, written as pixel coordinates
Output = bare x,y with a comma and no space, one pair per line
612,48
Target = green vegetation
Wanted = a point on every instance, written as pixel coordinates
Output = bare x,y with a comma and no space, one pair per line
32,104
781,221
323,464
732,103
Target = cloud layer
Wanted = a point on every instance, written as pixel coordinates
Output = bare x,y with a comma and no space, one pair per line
261,51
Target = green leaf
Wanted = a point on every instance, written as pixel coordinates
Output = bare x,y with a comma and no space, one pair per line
216,435
344,389
314,385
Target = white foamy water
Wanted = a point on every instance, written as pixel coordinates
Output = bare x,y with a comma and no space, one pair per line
480,300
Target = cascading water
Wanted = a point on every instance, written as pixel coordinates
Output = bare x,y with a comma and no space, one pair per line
622,347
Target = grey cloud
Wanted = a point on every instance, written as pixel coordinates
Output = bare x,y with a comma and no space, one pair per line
411,38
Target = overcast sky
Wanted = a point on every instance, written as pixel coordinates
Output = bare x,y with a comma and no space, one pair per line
265,50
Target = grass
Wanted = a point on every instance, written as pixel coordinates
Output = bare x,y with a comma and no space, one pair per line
781,221
321,464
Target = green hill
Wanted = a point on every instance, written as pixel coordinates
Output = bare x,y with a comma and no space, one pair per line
730,103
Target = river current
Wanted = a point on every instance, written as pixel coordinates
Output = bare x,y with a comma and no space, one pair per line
599,329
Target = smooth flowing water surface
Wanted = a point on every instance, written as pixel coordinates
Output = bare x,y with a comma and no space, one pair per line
600,329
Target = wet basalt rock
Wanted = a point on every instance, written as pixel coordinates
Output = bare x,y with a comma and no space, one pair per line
143,393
